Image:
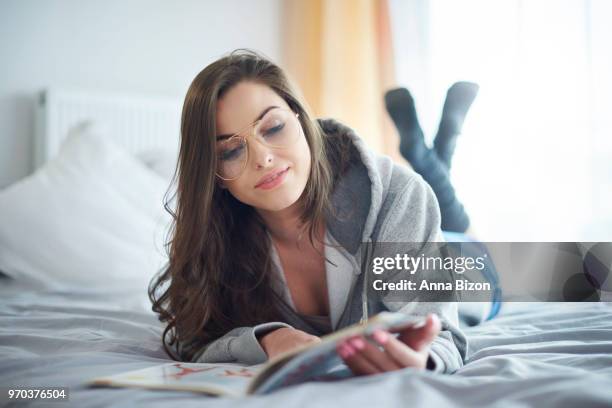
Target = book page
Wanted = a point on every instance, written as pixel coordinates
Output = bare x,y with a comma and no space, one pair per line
218,379
317,364
313,362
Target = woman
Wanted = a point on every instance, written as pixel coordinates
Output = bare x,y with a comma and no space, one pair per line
272,208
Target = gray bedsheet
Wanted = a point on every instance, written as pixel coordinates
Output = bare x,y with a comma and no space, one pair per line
531,355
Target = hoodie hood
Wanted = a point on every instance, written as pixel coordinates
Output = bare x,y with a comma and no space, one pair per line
359,192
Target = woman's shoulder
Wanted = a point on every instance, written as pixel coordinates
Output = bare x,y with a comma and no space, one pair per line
390,185
347,147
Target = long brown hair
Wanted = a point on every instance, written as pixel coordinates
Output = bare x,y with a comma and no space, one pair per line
219,273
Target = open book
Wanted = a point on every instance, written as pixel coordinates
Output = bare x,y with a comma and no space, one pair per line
311,362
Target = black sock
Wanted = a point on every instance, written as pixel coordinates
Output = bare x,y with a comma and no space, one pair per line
459,98
400,106
424,160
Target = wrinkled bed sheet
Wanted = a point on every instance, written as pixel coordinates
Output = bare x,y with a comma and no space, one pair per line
531,355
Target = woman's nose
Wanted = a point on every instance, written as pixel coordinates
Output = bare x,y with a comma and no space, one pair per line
262,155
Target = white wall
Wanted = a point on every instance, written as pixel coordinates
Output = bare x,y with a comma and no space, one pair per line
131,46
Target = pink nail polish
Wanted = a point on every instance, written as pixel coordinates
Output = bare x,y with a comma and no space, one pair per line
380,336
358,344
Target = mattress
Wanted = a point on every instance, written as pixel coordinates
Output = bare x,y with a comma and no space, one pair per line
544,354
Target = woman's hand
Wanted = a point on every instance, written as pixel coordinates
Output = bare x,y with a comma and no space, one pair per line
285,339
409,349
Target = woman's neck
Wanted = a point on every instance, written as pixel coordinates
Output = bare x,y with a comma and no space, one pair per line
285,226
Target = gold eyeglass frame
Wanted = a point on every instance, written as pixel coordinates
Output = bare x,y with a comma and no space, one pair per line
252,134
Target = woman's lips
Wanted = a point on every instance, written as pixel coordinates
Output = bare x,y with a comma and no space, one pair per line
276,180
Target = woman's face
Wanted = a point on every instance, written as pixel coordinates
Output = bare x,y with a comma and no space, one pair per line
239,107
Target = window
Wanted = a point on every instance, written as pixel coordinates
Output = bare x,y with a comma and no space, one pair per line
534,162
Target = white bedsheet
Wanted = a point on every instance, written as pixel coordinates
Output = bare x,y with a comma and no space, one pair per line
532,355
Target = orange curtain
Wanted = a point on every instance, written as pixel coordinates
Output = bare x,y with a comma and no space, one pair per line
340,54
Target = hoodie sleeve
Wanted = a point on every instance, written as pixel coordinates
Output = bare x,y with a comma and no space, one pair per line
412,215
239,345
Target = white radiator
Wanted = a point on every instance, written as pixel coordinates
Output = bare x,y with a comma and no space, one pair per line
138,123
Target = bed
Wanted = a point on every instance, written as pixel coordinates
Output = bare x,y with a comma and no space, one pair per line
73,300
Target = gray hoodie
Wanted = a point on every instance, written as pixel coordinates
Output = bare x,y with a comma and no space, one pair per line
387,203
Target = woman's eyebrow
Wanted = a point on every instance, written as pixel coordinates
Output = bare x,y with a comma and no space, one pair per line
261,115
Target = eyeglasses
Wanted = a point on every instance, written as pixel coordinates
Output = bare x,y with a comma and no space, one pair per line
278,129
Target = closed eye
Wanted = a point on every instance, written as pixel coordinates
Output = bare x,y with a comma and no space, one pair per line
274,130
231,154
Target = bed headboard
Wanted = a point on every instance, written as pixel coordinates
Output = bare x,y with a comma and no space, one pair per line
136,122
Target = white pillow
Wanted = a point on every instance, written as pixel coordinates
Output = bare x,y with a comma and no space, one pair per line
91,217
161,161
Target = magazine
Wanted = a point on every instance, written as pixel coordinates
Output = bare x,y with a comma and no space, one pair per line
311,362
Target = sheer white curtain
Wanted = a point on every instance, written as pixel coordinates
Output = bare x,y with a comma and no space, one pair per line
534,161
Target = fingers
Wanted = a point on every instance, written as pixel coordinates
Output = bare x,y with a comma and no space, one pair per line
420,338
374,355
364,357
357,363
410,349
399,352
